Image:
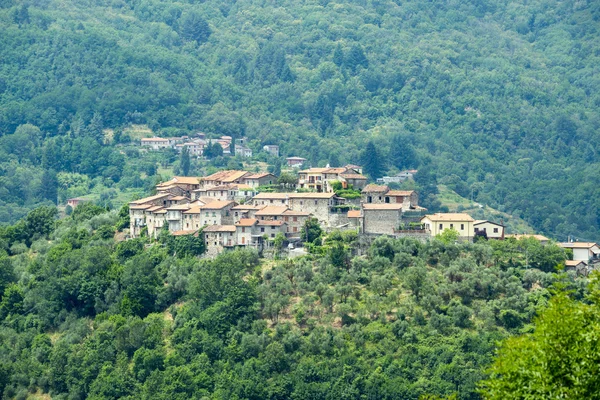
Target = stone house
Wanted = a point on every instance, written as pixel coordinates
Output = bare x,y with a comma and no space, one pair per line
187,183
223,178
156,143
295,162
174,216
272,149
260,179
244,211
217,213
243,151
219,237
374,193
321,179
357,181
492,230
246,233
439,222
381,219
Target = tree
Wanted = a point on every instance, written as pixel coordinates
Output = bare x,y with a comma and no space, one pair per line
49,186
356,57
402,154
448,236
372,161
184,161
193,27
287,180
338,55
558,360
311,230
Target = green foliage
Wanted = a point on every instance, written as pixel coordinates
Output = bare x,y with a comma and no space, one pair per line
448,236
558,359
311,231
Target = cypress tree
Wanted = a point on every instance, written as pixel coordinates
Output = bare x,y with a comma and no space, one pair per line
372,161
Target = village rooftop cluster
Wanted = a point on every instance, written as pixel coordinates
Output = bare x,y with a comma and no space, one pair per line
229,211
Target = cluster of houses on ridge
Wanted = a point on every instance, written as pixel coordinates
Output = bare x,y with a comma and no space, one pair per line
229,212
198,143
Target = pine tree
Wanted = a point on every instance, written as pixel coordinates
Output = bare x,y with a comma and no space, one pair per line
49,185
184,161
338,56
356,57
402,154
372,162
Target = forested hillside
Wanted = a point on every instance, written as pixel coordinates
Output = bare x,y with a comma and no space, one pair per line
496,99
85,316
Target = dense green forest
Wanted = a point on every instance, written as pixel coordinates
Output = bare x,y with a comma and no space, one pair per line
497,99
85,316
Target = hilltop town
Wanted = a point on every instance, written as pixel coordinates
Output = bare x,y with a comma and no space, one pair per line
235,208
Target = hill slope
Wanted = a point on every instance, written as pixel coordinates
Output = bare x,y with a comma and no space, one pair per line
496,97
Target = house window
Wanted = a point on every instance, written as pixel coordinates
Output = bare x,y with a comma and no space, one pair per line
262,229
301,202
271,201
243,230
495,230
272,235
451,226
316,202
462,227
441,226
387,199
476,229
295,219
295,229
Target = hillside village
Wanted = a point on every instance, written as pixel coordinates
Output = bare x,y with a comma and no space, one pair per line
230,210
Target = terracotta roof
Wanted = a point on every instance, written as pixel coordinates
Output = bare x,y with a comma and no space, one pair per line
283,196
242,187
259,175
382,206
574,263
372,188
217,205
449,217
183,233
525,236
140,206
354,214
151,198
335,170
296,213
483,221
399,192
185,180
219,228
271,223
177,198
153,209
246,222
163,211
221,187
154,139
313,171
578,245
194,210
179,207
272,210
353,176
296,158
246,207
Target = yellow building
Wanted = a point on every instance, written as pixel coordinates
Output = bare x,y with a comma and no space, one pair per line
439,222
